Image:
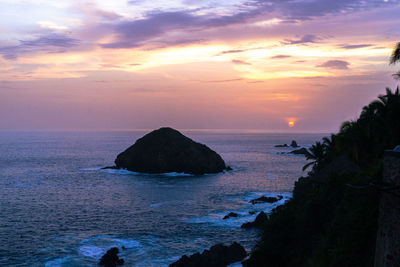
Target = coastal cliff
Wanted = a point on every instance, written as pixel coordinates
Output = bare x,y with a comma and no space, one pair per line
332,219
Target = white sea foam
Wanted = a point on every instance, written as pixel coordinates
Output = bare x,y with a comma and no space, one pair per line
91,251
56,262
235,264
126,172
127,243
244,211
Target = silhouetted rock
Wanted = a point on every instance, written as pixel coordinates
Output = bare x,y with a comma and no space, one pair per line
218,256
301,151
230,215
111,259
110,168
294,144
284,145
167,150
264,199
258,222
252,212
229,168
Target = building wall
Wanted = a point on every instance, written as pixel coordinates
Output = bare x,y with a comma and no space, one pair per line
387,252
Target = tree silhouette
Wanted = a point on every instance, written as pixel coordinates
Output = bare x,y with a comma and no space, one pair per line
316,153
395,57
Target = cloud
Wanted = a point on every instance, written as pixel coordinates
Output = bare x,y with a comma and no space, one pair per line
240,62
280,56
335,64
48,43
233,51
91,10
133,33
356,46
308,38
307,9
158,25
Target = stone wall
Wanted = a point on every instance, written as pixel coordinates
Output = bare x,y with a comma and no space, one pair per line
387,253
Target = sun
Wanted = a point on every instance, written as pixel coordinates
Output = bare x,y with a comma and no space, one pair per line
291,124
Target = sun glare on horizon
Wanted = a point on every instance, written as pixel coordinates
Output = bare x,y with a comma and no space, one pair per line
291,124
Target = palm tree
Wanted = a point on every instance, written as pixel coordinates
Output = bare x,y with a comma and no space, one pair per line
395,58
316,153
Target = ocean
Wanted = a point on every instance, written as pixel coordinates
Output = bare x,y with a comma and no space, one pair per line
59,208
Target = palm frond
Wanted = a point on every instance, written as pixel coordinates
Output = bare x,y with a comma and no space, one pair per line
395,54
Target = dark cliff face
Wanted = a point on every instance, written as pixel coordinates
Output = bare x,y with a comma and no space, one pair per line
167,150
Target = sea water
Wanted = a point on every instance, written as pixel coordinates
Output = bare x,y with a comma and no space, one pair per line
59,208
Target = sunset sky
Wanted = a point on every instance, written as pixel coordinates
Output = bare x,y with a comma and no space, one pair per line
193,64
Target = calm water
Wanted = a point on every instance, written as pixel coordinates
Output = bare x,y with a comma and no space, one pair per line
59,209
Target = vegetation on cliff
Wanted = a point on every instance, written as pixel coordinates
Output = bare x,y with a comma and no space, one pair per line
332,218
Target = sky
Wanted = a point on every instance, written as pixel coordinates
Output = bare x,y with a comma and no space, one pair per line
193,64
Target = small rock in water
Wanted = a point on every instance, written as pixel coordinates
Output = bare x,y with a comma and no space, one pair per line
218,256
294,144
111,259
258,222
264,199
284,145
301,151
230,215
252,212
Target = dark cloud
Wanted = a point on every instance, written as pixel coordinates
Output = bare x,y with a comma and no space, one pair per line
306,9
233,51
157,25
335,64
240,62
135,33
306,39
280,56
48,43
355,46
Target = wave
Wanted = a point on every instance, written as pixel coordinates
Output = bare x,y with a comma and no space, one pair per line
246,211
126,172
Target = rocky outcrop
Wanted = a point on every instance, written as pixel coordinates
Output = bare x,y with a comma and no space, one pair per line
294,144
230,215
301,151
167,150
284,145
258,222
218,256
265,199
111,259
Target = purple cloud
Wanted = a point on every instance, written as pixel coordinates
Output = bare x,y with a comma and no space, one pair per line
155,26
48,43
355,46
280,56
335,64
240,62
308,38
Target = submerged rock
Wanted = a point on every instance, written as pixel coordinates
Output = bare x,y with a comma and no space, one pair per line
111,259
218,256
301,151
258,222
230,215
264,199
167,150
